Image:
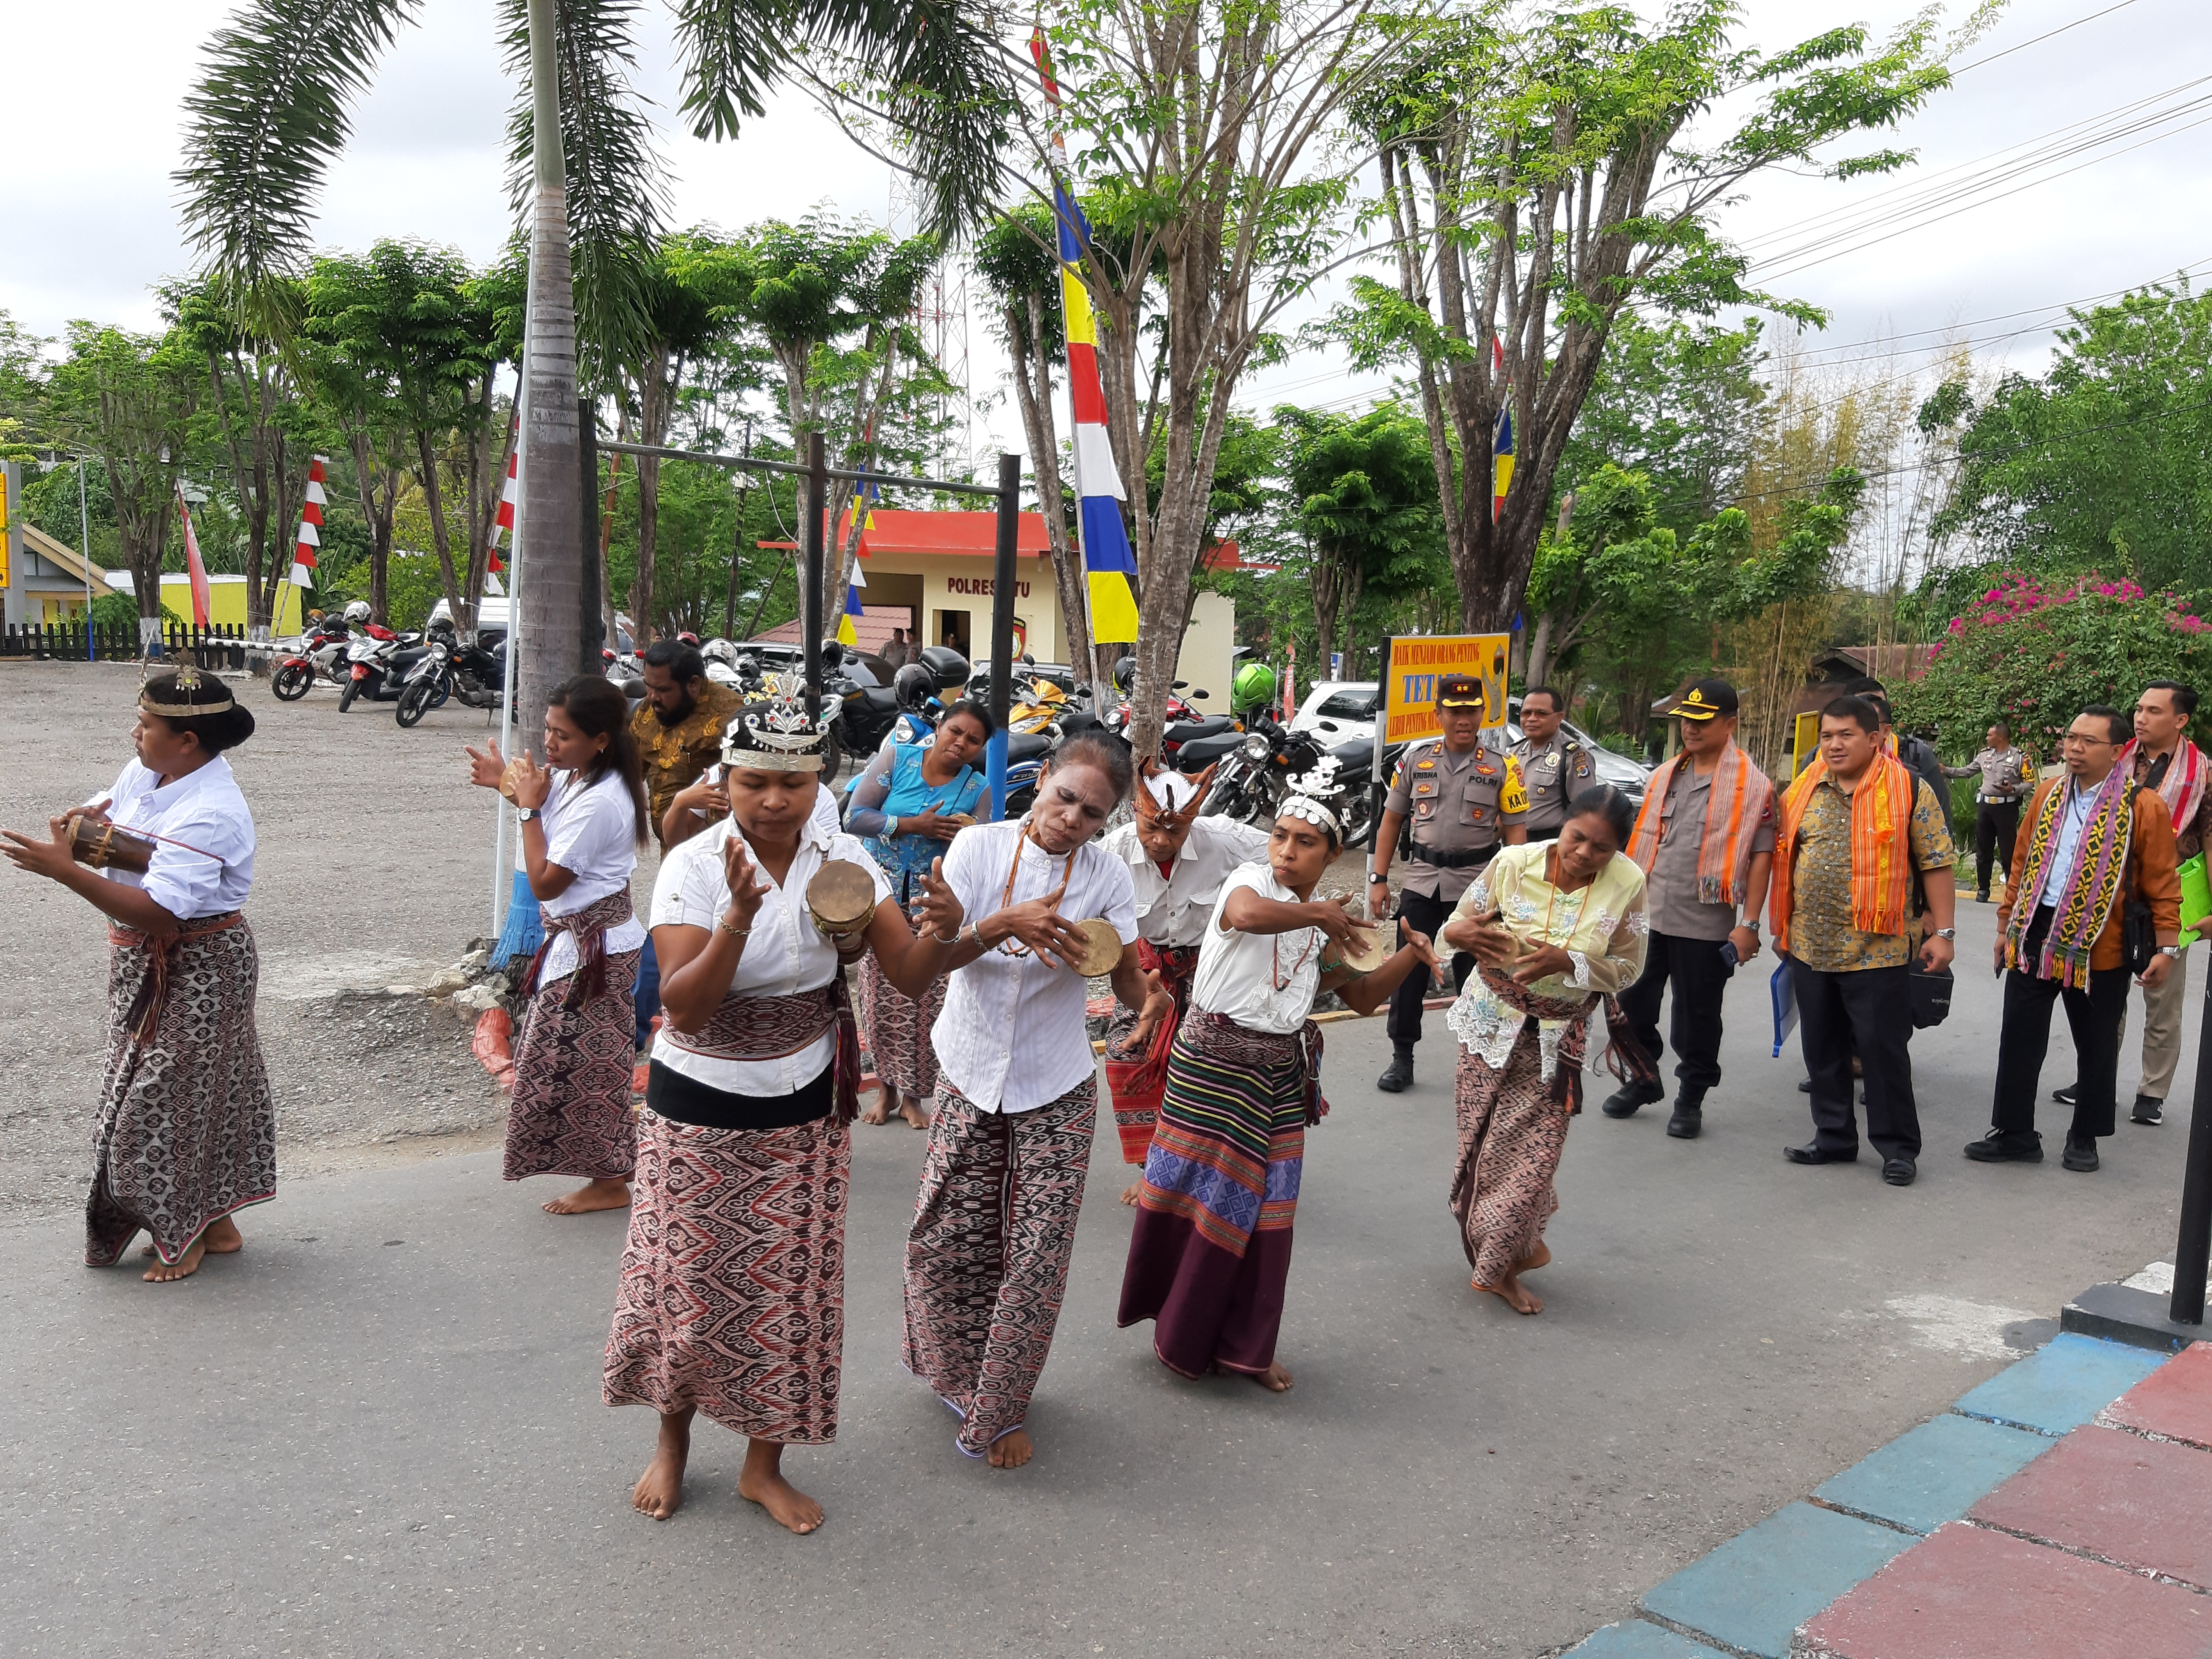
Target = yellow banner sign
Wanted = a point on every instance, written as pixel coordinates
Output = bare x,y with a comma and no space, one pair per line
7,524
1805,742
1417,663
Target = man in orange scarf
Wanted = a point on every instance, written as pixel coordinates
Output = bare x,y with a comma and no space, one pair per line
1705,839
1857,826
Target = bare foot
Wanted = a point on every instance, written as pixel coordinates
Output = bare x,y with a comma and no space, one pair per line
659,1489
591,1195
1011,1449
163,1272
1513,1293
762,1482
1276,1379
1131,1192
878,1110
910,1110
1538,1257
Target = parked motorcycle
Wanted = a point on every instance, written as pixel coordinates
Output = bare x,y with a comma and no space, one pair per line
474,673
316,660
378,664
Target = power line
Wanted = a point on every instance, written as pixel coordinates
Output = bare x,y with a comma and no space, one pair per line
2037,38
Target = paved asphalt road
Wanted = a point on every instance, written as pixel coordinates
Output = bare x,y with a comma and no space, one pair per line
378,1432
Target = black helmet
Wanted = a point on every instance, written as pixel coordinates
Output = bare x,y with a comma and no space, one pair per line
914,685
1125,673
832,653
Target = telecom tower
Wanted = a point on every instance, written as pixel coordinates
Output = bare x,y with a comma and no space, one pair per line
940,318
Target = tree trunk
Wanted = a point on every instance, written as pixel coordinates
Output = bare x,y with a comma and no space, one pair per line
653,402
1539,651
441,534
607,522
376,516
547,625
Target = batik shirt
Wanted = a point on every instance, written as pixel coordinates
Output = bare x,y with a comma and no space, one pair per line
1821,933
677,756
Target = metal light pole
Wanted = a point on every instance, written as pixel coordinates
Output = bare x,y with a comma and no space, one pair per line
84,552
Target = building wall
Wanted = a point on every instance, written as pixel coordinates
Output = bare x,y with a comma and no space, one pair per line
957,589
226,601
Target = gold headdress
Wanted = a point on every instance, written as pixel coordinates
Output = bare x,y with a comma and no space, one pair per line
195,693
779,734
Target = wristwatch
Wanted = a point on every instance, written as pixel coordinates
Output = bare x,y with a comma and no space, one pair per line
2169,949
523,814
1951,933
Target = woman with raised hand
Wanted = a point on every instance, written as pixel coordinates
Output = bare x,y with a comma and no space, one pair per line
1010,1144
1210,1252
187,1129
1554,926
584,820
909,803
731,1301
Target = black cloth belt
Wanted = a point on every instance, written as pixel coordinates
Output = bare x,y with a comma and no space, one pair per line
1437,859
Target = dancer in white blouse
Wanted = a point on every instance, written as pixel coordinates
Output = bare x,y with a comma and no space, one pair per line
583,822
732,1283
1210,1252
187,1130
1010,1144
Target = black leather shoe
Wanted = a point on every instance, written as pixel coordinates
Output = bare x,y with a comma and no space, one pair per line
1980,898
1396,1075
1624,1100
1817,1154
1898,1171
1999,1147
2068,1095
1687,1121
1805,1086
2148,1110
2079,1155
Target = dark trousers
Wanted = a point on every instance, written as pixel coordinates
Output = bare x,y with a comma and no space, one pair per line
648,992
1868,1013
1996,826
2093,1016
1427,916
1698,976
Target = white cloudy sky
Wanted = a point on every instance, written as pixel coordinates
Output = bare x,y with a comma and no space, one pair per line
93,222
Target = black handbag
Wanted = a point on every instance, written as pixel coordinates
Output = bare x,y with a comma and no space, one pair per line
1929,990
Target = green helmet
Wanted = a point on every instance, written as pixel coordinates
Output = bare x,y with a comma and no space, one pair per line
1253,688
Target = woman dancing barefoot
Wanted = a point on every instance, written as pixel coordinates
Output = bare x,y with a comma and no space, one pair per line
1554,927
584,817
732,1297
1210,1251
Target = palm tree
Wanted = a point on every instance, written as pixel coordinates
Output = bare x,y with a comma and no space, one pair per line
271,112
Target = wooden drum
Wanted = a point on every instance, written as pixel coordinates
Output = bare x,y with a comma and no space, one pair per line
841,898
1102,948
1370,948
104,847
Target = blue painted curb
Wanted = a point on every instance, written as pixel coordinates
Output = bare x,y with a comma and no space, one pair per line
1934,1472
1635,1639
1753,1591
2061,1385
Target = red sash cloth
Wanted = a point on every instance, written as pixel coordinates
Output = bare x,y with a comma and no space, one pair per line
1137,1080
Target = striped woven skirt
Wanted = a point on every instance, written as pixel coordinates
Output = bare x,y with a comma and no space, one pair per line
570,1114
187,1130
1210,1252
898,1028
732,1295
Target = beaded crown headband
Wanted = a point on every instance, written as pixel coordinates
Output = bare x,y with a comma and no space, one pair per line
198,695
1313,797
776,734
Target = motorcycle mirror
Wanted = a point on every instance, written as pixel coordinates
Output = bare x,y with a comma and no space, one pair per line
1198,695
1177,685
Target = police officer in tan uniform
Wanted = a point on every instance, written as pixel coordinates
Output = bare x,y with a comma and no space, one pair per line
1554,767
1462,799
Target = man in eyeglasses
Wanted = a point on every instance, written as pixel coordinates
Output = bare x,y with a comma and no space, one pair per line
2094,838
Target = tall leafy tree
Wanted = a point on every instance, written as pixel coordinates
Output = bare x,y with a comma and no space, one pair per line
272,108
1539,177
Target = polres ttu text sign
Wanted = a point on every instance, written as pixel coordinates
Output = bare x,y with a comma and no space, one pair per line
1418,662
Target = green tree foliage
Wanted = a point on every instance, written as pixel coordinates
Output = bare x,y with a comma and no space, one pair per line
1363,494
2105,460
2034,652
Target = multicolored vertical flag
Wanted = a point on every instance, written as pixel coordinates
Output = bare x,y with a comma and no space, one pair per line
1501,442
1109,567
864,496
311,524
193,561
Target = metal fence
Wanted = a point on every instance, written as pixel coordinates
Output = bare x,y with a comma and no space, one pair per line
220,647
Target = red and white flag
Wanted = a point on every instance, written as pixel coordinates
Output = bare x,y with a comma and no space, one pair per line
193,561
504,522
311,524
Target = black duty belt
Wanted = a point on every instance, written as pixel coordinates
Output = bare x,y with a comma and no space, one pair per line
1437,859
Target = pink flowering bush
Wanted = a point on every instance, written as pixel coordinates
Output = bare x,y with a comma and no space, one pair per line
2033,652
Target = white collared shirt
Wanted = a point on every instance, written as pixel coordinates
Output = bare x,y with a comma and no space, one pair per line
785,953
1011,1037
2074,809
1236,972
1173,909
203,864
593,833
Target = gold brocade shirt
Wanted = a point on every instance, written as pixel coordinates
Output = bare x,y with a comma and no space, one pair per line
677,756
1822,934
